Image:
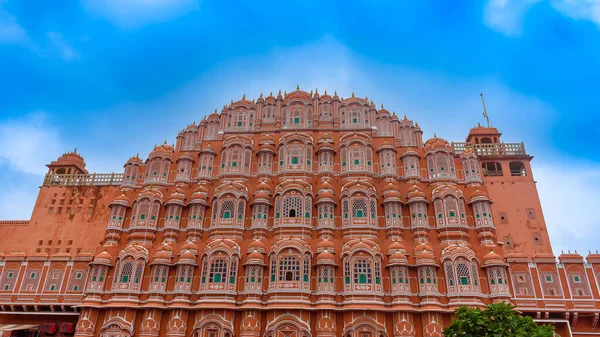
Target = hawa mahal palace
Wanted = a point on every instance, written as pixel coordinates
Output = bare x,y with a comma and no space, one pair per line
296,215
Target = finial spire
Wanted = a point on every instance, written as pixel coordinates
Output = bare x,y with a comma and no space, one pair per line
297,87
261,95
316,90
75,150
382,105
485,114
244,97
434,135
353,94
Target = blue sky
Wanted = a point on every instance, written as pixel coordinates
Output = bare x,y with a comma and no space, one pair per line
113,78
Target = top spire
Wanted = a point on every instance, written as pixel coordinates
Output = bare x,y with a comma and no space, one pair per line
485,114
297,87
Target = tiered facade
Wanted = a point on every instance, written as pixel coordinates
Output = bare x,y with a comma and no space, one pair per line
293,216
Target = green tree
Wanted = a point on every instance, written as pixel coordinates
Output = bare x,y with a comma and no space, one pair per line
497,320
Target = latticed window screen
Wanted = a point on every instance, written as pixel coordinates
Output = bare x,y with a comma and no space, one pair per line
273,268
463,273
227,208
306,268
307,207
292,207
362,271
138,272
474,273
218,271
359,208
233,271
345,208
377,272
289,269
356,155
373,208
126,271
240,209
449,267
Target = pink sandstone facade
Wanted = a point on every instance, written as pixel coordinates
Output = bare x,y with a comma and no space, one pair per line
301,215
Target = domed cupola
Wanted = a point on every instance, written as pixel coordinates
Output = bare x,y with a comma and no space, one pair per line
177,197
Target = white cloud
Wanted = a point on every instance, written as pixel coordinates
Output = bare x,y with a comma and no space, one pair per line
27,144
16,203
570,196
67,52
136,13
506,16
579,9
10,30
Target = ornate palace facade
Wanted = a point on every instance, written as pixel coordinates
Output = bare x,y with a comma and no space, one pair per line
301,215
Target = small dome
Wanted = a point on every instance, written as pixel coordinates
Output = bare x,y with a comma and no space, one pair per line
398,258
325,195
325,244
162,256
265,146
121,200
187,255
200,195
426,257
492,259
177,197
396,246
166,248
189,246
478,195
134,160
422,247
255,256
414,193
436,143
383,111
325,256
103,258
256,245
325,185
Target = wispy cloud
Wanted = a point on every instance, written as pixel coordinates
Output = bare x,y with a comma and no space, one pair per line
28,143
507,16
66,51
136,13
10,30
579,9
570,194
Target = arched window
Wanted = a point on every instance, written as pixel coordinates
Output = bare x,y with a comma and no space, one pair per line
128,275
400,280
218,271
362,271
227,208
292,207
96,278
289,269
517,169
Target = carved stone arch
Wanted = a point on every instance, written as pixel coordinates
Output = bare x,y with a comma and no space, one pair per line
134,251
453,252
359,137
296,137
230,247
288,326
365,325
358,186
116,327
238,140
433,329
149,327
404,329
236,189
442,191
365,245
213,323
300,245
302,186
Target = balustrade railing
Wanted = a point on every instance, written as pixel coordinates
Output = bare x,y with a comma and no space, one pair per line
492,149
92,179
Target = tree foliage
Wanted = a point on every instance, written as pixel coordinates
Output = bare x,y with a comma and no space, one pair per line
497,320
